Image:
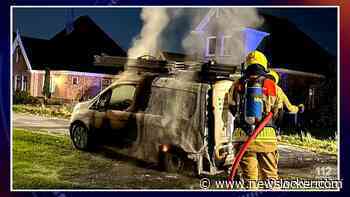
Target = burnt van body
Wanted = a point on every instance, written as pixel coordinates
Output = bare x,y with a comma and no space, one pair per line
161,118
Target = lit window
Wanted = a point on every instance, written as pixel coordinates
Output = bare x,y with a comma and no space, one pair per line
21,82
75,80
24,83
211,46
18,82
52,85
226,46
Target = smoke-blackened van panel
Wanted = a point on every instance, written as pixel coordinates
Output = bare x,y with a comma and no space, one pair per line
173,116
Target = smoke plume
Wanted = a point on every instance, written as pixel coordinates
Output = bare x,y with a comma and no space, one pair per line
227,24
147,42
224,22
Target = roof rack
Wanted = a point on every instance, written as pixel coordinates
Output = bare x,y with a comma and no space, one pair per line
209,70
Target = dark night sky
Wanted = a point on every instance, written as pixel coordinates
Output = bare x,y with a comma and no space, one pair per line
122,24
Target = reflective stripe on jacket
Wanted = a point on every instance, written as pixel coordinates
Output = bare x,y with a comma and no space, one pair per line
266,141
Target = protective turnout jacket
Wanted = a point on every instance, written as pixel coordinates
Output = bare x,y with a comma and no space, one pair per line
283,100
266,141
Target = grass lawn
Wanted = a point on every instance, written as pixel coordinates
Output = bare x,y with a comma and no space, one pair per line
328,146
43,161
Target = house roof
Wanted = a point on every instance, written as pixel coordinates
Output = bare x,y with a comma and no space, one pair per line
38,51
74,51
83,42
289,47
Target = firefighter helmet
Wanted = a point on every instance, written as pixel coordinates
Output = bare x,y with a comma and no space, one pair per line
275,75
256,57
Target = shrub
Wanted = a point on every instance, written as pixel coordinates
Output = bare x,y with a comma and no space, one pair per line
62,111
23,97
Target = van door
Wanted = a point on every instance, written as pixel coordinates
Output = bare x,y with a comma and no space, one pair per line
119,109
99,119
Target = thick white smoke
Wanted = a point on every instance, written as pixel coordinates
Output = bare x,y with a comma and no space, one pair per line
148,41
224,22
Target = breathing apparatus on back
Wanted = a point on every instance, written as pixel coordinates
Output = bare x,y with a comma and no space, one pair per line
252,104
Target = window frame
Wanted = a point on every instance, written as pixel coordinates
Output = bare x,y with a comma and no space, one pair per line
223,45
52,85
16,83
207,53
77,79
20,84
24,85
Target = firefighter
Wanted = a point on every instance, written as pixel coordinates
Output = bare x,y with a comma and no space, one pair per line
283,101
260,160
282,98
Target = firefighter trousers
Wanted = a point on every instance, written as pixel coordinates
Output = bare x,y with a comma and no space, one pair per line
259,166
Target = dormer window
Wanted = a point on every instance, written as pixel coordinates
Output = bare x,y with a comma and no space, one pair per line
226,46
211,46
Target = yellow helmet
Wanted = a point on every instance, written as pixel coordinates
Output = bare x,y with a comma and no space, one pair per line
275,75
256,57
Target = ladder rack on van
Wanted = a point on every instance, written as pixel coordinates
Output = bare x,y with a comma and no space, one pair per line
207,71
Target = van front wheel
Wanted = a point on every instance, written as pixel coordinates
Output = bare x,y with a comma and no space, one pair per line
80,136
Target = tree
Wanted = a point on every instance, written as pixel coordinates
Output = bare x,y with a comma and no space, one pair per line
46,88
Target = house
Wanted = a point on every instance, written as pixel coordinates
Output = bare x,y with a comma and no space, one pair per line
308,72
69,57
217,37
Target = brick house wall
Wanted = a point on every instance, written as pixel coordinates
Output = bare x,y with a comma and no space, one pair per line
25,79
21,77
37,83
74,86
65,85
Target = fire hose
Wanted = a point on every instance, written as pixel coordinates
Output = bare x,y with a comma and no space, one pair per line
246,144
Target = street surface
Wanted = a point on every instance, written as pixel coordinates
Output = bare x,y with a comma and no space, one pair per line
293,161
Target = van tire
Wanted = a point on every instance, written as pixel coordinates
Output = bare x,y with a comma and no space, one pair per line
81,136
171,162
